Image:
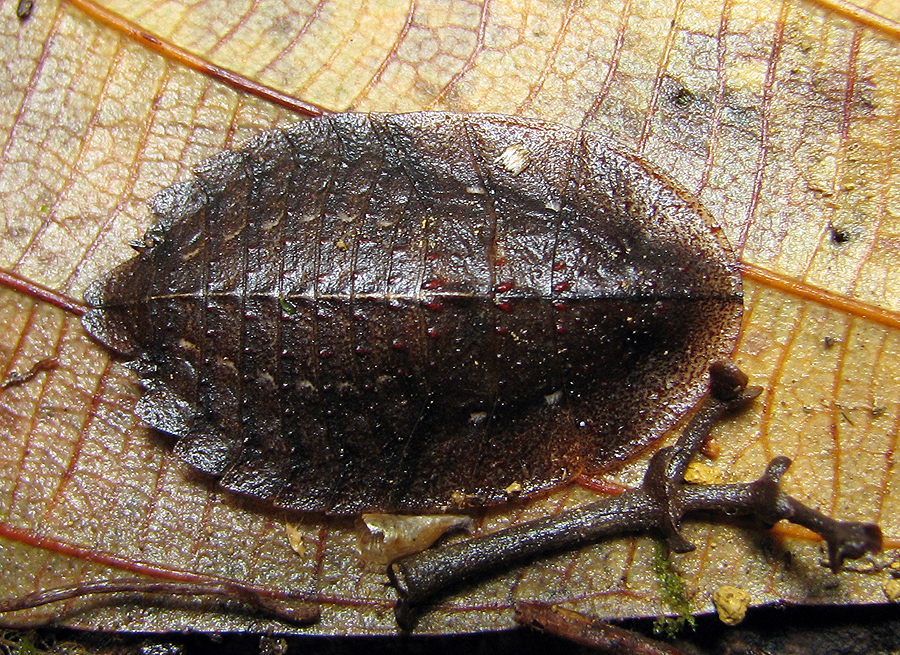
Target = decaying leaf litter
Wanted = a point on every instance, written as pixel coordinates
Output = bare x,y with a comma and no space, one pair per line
206,312
548,394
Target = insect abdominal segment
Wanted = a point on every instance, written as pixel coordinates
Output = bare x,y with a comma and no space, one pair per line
367,312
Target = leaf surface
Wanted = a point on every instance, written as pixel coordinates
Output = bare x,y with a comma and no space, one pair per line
781,117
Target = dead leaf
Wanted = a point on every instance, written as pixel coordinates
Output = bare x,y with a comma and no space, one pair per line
782,118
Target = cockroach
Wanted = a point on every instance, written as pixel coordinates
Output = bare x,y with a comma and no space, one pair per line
390,312
414,312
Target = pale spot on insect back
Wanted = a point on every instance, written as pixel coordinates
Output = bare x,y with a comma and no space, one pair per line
553,205
515,158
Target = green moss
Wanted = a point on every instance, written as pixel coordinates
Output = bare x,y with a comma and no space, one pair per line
41,642
286,306
674,596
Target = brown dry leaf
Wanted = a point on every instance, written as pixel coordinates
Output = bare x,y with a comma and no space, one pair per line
782,117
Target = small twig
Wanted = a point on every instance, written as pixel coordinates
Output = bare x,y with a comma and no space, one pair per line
300,613
659,504
589,632
15,378
37,291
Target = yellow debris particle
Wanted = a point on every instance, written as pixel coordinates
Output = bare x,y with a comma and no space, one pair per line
295,539
891,589
462,500
514,489
731,604
699,473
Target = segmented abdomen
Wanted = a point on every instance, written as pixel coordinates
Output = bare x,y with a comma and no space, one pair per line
387,312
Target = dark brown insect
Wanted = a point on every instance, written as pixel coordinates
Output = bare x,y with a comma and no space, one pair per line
397,312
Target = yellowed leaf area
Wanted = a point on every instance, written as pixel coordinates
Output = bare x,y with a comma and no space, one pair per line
781,117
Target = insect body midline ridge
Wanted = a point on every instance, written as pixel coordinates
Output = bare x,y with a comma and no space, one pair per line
418,298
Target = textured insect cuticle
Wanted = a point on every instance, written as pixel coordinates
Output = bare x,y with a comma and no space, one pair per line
408,321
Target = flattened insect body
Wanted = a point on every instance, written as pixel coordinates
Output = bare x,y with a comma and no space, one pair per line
377,312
